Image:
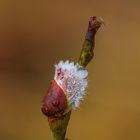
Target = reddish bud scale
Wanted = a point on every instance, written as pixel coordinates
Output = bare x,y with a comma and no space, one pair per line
55,102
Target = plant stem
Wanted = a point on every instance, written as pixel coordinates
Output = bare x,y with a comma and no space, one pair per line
59,125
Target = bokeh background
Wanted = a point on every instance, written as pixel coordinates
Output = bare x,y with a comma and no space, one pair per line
34,35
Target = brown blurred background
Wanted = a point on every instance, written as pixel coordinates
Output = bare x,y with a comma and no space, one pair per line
34,35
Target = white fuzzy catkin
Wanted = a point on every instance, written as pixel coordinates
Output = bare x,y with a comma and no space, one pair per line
72,79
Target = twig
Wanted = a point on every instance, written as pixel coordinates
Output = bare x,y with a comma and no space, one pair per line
54,106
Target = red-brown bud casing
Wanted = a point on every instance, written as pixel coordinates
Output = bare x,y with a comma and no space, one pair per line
55,102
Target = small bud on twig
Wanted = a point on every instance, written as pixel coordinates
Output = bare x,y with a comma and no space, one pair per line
89,43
